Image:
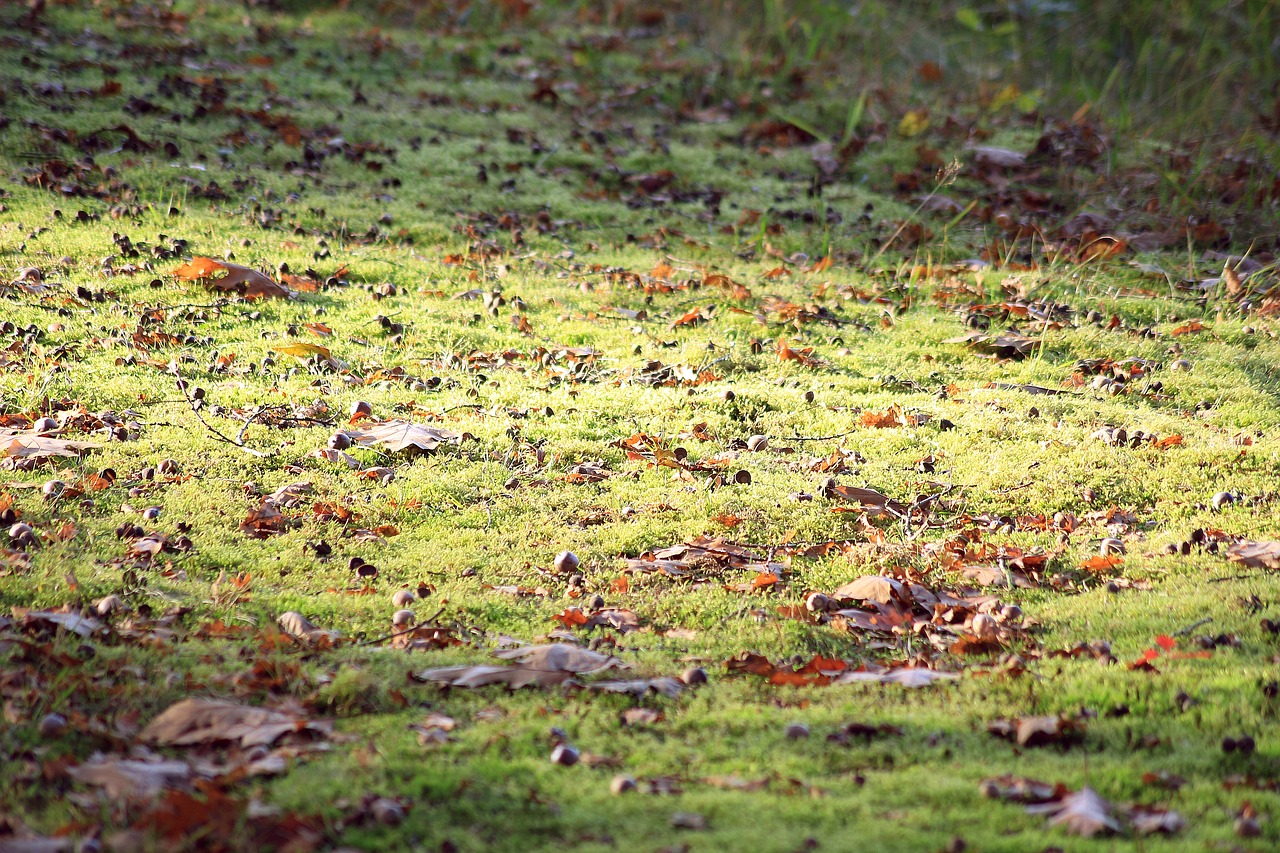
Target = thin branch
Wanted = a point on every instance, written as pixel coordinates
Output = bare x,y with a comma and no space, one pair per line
195,409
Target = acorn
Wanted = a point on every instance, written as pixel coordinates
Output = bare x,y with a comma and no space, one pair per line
402,619
694,675
796,731
108,604
565,755
53,489
402,598
816,602
621,784
983,626
566,561
1223,499
44,425
168,467
1110,546
339,441
1180,365
53,725
757,443
22,535
360,407
387,811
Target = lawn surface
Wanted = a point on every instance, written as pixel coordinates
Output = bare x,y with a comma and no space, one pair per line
746,426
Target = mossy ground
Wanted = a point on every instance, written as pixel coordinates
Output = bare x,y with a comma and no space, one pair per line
588,169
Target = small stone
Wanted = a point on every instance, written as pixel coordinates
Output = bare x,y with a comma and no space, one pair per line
621,784
566,561
797,731
565,755
403,598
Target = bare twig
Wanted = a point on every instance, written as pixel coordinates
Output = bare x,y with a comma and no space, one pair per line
427,623
1182,632
195,409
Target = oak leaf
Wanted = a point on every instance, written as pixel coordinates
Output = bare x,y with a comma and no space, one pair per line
245,281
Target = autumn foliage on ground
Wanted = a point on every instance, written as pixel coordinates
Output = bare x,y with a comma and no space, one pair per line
535,426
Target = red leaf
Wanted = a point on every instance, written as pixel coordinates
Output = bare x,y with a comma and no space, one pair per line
1166,642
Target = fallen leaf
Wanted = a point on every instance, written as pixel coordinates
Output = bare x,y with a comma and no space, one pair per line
397,435
1080,813
1256,555
123,778
201,721
248,282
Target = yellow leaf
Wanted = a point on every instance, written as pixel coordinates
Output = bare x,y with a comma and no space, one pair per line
304,350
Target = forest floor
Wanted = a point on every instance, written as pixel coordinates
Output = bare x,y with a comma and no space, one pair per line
503,427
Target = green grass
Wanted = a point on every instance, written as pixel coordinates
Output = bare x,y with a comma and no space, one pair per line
404,156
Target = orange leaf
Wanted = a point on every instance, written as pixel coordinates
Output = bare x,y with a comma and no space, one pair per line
1166,642
621,584
1174,440
571,617
1188,328
764,580
1102,564
729,520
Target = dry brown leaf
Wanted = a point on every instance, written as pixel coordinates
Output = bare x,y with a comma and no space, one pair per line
300,627
913,678
543,666
1081,813
397,435
1256,555
200,721
123,778
877,588
246,281
28,445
